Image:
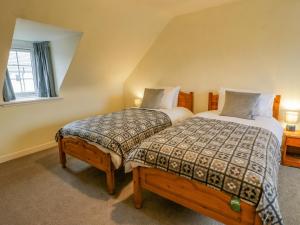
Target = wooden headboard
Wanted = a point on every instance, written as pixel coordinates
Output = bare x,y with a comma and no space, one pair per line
213,103
186,100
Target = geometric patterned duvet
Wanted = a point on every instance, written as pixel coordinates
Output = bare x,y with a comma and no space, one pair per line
118,131
238,159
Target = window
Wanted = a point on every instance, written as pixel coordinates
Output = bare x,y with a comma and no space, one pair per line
20,68
39,58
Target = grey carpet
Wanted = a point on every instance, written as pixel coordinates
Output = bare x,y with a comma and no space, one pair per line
36,190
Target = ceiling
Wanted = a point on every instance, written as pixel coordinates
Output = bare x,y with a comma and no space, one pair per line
28,30
32,31
178,7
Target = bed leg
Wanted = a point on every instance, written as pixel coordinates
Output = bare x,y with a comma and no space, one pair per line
62,154
137,190
110,179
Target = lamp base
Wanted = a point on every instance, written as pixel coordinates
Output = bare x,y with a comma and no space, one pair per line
290,127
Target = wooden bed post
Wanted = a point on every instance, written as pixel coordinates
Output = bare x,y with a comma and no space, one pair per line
137,189
62,154
210,96
110,176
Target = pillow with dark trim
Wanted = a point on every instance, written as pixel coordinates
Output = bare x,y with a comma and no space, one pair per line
240,104
152,98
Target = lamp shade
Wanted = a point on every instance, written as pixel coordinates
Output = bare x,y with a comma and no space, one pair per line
137,102
291,117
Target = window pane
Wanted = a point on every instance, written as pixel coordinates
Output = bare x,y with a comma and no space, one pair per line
13,72
26,68
16,86
14,75
29,85
12,60
20,71
26,72
12,68
28,76
24,58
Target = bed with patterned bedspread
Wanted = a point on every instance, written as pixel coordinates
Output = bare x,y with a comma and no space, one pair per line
120,131
238,159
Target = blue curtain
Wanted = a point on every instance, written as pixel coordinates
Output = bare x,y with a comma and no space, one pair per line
8,91
44,70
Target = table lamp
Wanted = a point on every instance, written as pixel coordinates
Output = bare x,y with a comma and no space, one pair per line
137,102
291,118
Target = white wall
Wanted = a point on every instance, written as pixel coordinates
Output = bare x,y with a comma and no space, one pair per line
252,45
62,52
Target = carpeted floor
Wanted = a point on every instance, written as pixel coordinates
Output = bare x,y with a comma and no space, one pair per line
36,190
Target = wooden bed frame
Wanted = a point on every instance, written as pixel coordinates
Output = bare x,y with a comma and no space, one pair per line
84,151
195,195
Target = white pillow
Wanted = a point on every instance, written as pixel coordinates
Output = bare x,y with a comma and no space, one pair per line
264,106
176,94
170,98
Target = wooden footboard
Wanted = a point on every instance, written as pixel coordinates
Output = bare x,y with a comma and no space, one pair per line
84,151
193,195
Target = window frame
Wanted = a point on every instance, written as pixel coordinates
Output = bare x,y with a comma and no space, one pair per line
26,95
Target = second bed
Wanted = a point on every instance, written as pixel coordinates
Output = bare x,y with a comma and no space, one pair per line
223,167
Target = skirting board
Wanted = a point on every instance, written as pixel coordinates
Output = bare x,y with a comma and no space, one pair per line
27,151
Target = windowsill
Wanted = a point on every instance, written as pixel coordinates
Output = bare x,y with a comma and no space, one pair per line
26,101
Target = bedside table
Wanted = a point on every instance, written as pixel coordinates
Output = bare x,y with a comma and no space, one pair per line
292,139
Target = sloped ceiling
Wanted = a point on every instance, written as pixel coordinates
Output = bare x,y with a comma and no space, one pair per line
134,23
125,29
179,7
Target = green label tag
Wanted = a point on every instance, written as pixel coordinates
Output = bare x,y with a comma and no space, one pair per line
235,204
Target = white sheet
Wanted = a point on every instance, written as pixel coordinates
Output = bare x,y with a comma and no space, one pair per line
270,124
176,115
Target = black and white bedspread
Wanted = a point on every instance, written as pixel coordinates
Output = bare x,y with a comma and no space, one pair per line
118,131
239,159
